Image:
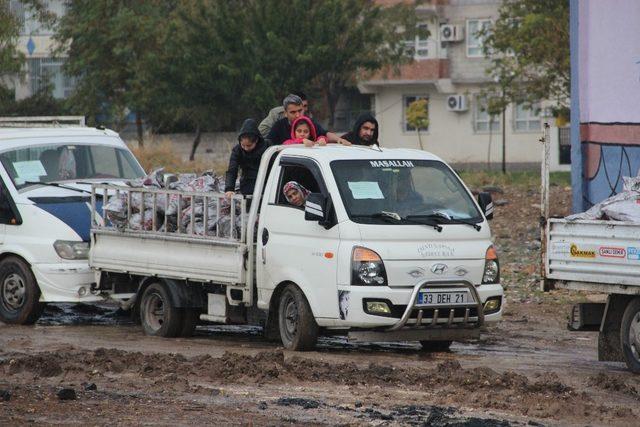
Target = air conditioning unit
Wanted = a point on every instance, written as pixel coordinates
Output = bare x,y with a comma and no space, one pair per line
457,103
451,33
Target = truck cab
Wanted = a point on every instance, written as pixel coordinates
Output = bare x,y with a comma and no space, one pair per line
389,243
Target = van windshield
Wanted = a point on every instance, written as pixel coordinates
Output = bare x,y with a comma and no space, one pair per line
403,192
69,162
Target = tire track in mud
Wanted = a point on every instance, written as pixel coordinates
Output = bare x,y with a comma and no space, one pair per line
446,384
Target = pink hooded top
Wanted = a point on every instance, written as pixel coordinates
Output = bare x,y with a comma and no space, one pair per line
313,136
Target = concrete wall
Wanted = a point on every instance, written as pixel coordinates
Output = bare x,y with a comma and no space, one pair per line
451,135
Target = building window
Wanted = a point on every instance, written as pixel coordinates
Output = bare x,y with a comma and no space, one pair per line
527,119
419,46
48,71
475,41
407,102
482,120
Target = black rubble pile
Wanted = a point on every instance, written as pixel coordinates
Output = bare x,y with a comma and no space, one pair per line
191,209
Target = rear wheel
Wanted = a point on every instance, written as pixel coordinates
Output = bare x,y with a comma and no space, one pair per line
435,346
298,328
157,314
630,335
19,293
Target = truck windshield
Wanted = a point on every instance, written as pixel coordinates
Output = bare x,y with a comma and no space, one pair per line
403,192
68,162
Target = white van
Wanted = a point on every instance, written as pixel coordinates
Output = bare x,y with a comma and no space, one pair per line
390,246
46,175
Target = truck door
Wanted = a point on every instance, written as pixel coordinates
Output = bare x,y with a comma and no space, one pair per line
292,249
8,211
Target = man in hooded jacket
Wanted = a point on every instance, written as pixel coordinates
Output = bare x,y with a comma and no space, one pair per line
364,132
245,156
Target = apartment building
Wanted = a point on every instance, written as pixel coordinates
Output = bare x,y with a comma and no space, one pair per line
449,71
36,42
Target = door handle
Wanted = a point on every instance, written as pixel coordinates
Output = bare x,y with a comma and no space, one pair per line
265,236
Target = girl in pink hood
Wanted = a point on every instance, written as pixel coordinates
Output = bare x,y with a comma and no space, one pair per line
304,132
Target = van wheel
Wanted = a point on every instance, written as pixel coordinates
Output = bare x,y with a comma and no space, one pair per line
157,314
19,293
298,328
435,346
630,335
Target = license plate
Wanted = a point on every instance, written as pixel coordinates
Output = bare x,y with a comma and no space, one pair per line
444,298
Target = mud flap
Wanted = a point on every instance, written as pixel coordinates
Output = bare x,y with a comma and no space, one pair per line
609,345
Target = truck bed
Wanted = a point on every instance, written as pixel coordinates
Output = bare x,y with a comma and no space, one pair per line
594,254
184,255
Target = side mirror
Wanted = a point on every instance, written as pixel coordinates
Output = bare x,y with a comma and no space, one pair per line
486,204
315,208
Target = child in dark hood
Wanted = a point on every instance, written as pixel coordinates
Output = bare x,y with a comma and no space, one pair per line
245,156
304,132
295,193
364,132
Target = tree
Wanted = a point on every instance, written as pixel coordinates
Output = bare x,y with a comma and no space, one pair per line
529,50
109,44
362,37
418,116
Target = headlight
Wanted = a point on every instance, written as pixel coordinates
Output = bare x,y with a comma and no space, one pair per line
367,268
68,249
491,267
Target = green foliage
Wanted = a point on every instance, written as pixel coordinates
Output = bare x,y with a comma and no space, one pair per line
110,45
529,50
11,59
418,113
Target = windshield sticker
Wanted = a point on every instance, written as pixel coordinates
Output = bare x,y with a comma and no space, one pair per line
439,250
30,170
391,164
365,190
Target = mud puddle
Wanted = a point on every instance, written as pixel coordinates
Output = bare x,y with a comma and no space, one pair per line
84,314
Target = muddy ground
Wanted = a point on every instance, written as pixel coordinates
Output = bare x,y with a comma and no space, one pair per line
92,365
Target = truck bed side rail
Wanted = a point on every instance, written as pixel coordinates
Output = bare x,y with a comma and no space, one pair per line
169,214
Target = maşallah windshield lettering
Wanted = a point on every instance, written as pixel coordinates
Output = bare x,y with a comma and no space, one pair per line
417,192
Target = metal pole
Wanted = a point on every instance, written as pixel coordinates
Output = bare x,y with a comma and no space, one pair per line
504,141
544,203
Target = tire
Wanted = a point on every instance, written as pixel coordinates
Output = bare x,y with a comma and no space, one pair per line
630,335
19,293
190,317
158,316
435,346
298,328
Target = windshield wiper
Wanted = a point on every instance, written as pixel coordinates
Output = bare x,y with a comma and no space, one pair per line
445,218
55,184
395,218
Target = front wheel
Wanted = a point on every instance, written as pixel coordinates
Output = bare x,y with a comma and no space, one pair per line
630,335
298,328
435,346
19,293
157,314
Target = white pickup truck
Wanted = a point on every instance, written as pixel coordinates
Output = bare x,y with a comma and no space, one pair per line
600,256
391,246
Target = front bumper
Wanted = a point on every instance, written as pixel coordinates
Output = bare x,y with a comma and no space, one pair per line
65,282
405,314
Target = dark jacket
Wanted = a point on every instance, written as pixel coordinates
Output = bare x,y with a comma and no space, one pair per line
353,137
281,131
248,162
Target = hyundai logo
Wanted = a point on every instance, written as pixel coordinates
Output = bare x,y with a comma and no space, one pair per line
439,268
